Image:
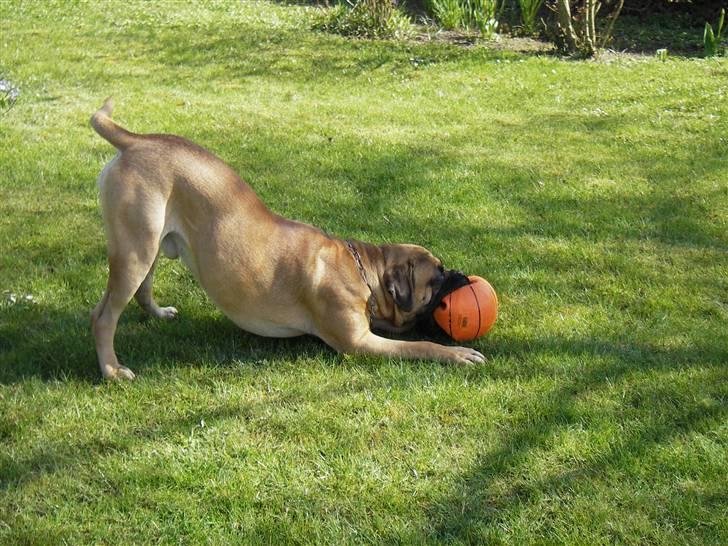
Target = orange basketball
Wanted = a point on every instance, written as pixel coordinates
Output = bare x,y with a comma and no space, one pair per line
468,312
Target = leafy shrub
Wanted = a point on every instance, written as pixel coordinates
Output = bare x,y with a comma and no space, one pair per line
366,19
574,27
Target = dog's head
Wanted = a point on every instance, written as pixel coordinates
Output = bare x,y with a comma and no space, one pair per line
412,277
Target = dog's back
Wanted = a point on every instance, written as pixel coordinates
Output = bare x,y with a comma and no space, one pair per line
168,161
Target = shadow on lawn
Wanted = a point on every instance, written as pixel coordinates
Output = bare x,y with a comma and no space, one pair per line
498,486
38,342
51,343
57,455
245,51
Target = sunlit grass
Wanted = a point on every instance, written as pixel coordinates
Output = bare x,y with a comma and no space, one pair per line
593,195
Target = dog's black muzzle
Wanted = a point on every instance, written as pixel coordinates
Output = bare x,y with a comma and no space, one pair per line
425,321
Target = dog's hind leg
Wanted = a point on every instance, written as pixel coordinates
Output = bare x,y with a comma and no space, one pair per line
133,250
145,298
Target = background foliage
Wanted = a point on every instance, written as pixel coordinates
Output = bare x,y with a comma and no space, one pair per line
581,27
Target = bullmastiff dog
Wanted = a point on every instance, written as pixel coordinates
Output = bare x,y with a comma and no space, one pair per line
270,275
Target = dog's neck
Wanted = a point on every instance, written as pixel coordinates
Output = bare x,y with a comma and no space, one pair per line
370,262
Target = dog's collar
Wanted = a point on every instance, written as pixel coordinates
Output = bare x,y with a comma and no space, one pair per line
357,259
371,303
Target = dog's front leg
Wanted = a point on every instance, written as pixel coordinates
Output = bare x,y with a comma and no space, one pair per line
361,340
417,350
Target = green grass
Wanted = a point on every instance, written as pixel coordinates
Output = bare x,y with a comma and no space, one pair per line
593,195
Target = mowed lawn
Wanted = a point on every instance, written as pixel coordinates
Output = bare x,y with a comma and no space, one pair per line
593,195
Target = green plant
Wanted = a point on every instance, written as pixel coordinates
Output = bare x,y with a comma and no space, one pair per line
469,14
366,19
529,12
448,13
480,14
711,40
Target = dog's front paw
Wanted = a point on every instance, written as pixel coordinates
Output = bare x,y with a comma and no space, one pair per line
465,355
166,312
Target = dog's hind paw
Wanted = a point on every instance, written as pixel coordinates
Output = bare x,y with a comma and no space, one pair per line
117,373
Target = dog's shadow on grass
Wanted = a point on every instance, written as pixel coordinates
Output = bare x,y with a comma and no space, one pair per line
51,344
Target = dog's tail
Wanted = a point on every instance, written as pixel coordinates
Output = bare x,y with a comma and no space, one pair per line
102,124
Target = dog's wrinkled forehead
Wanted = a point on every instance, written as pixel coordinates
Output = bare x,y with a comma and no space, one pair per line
417,255
424,265
428,268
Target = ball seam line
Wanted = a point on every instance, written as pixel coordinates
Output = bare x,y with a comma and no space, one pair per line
477,332
449,310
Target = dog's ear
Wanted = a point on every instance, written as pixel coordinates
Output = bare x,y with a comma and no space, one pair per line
399,280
